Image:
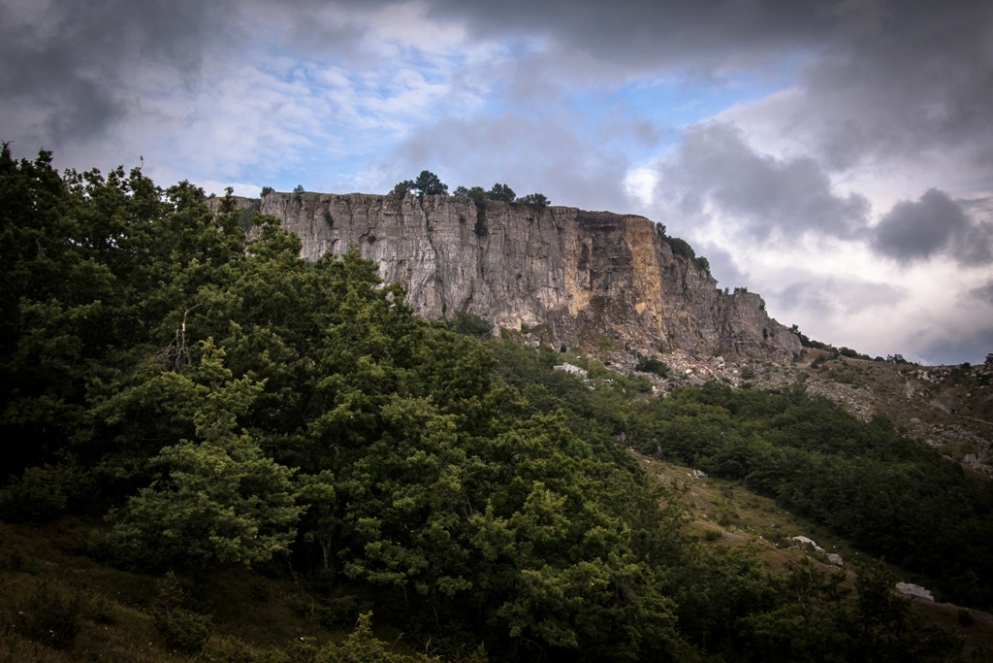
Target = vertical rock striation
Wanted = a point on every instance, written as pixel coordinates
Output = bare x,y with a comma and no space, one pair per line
572,277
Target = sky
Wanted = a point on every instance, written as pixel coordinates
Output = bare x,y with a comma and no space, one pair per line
834,156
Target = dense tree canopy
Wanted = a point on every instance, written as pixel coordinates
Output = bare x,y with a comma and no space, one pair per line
231,403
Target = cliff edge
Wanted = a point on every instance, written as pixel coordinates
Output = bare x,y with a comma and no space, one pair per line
565,275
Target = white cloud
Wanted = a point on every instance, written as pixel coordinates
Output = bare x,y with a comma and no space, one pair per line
640,183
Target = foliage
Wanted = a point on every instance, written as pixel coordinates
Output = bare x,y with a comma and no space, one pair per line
889,495
426,184
400,189
806,342
298,189
501,192
702,263
49,617
652,365
362,646
854,354
46,492
429,184
536,200
220,501
266,190
477,193
235,402
470,324
183,630
681,247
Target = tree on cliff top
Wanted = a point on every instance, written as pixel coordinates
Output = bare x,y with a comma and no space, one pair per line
501,192
426,184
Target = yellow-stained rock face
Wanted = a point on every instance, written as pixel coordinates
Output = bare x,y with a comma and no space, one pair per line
572,274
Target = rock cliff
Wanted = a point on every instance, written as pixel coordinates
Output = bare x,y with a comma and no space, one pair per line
564,275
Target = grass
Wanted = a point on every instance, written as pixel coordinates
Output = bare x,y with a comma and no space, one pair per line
251,614
724,513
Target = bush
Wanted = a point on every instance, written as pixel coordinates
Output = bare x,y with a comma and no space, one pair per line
536,200
46,492
184,631
652,365
469,324
50,618
680,247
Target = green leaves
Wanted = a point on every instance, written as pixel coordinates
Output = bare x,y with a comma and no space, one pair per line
218,501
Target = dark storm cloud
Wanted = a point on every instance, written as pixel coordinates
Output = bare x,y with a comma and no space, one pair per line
714,166
933,225
983,293
918,78
640,35
975,347
881,79
64,65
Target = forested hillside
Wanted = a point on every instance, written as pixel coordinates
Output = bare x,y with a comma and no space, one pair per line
200,403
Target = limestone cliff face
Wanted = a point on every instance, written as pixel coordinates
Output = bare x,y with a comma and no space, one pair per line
570,276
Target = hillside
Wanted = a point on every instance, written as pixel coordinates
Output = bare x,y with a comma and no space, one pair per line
949,408
219,450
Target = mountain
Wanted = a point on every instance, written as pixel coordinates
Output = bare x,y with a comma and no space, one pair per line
561,275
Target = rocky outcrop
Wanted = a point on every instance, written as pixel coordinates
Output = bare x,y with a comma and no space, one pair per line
567,276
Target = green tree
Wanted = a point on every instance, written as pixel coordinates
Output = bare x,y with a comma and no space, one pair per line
536,200
402,188
501,192
470,324
218,501
429,184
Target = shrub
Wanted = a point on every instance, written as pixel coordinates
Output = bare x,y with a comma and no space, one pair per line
46,492
50,618
681,247
653,365
470,324
536,200
183,630
266,190
402,188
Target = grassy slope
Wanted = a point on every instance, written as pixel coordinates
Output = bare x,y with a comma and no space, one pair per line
254,615
726,514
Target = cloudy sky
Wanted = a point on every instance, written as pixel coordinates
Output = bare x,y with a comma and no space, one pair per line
834,156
